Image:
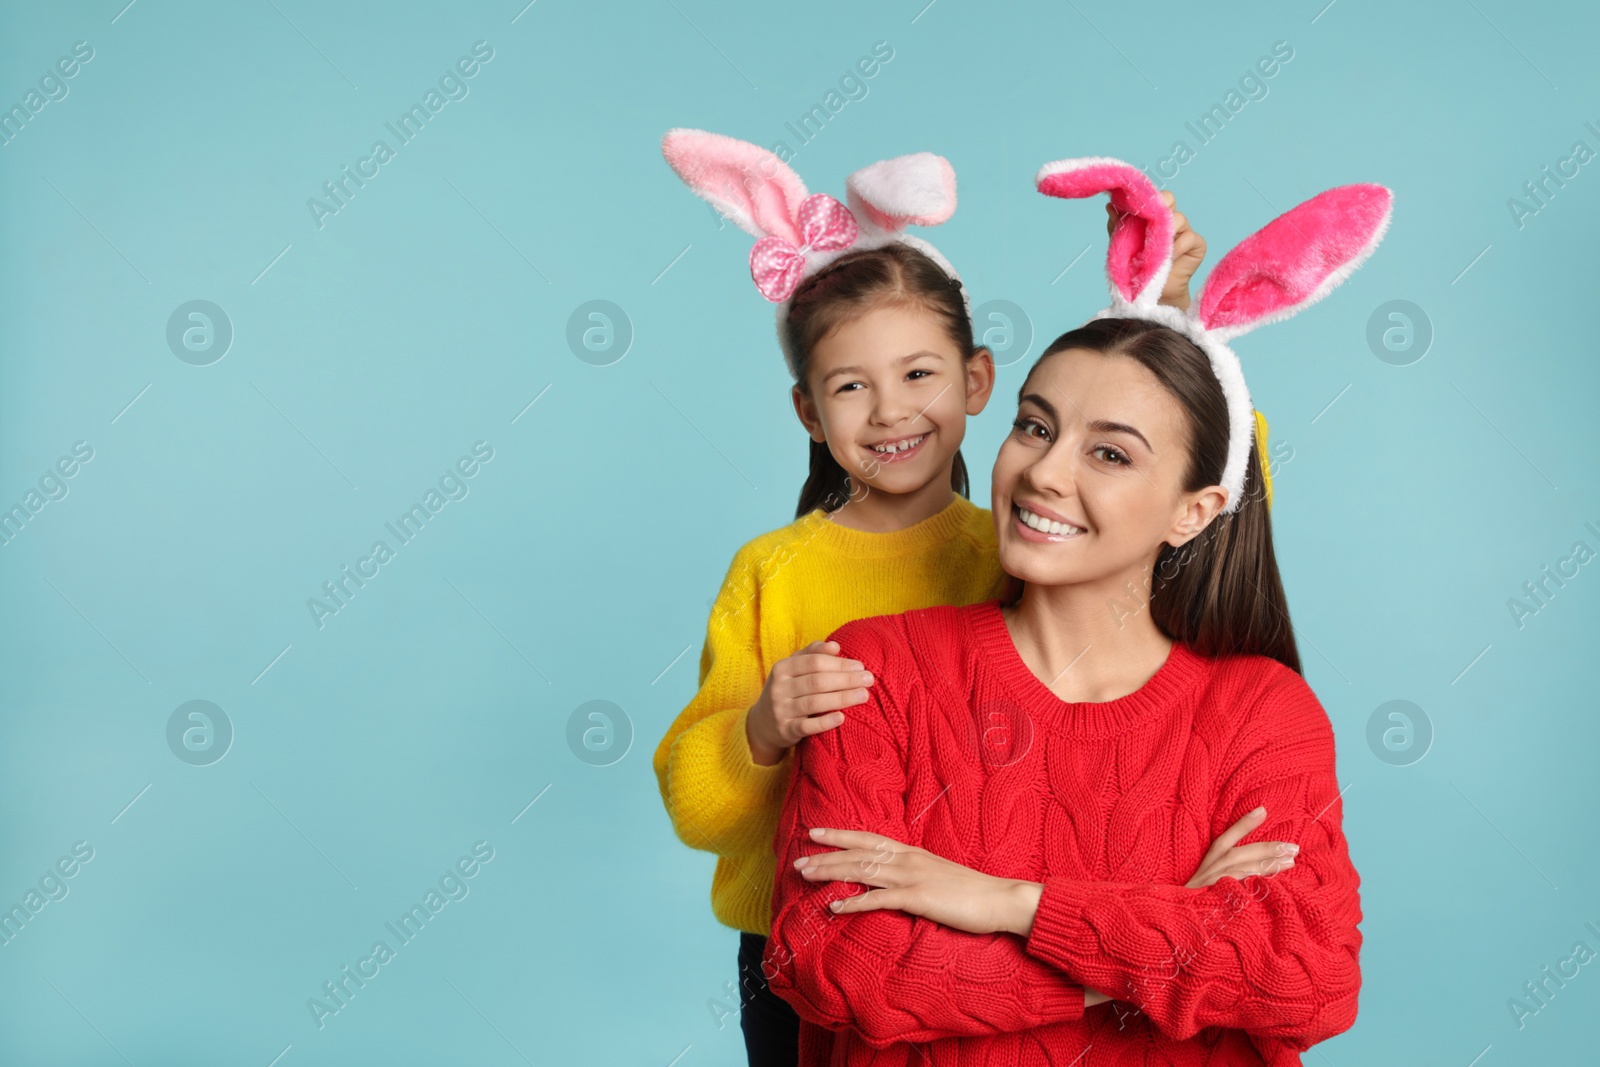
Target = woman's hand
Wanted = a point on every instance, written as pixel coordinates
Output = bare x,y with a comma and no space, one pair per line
1262,857
916,881
800,699
912,880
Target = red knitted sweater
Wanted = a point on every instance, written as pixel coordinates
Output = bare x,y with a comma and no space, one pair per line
963,751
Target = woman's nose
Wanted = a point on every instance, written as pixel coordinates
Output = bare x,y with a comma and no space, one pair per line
1054,473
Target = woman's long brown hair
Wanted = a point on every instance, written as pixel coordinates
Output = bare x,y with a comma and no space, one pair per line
894,274
1220,592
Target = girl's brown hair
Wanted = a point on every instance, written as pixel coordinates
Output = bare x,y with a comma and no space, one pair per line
1219,592
892,275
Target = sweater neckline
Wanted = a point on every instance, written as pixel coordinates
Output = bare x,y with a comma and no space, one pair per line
821,531
1176,676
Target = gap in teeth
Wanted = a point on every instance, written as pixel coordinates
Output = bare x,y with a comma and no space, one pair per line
1044,525
910,442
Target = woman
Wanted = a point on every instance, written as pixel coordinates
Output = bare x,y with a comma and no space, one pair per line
992,847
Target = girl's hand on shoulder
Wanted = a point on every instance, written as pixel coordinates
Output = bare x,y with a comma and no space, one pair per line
1224,860
802,697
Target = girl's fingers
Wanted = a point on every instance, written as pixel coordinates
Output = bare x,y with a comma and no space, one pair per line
799,686
816,724
1188,243
819,662
832,700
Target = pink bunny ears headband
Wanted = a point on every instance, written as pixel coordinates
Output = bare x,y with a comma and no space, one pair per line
798,235
1287,265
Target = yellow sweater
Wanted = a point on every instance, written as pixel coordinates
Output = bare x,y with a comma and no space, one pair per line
784,590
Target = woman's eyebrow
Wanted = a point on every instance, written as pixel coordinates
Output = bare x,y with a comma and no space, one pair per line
1098,425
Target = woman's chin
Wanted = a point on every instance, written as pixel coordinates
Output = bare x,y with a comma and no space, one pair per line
1016,561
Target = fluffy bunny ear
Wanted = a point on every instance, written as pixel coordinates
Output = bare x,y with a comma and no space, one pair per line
914,190
1294,260
1140,256
745,182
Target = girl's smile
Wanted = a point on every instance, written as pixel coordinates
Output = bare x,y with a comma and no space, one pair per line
899,449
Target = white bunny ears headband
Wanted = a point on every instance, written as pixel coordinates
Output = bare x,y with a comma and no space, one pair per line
1287,265
798,235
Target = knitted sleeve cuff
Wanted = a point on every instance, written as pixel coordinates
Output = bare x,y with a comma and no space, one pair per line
1060,935
1060,1001
753,784
720,799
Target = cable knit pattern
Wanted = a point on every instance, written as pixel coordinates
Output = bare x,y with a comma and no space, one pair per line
784,590
963,751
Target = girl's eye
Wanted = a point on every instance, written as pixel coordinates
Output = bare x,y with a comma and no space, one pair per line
1120,459
909,374
1023,426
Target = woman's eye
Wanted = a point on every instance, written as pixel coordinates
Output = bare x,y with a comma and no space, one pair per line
1026,426
1117,457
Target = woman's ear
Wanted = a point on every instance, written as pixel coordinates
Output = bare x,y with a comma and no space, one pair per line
1199,512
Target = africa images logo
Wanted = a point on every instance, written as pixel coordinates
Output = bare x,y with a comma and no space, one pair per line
452,86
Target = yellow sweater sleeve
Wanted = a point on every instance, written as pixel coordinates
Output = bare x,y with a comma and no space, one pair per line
719,799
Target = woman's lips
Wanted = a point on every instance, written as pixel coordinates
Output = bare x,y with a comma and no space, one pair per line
1028,533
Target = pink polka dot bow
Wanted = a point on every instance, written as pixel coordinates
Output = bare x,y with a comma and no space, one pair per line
777,265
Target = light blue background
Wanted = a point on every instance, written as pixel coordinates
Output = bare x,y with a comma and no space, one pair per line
431,310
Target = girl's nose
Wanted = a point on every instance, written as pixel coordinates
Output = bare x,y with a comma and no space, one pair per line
891,410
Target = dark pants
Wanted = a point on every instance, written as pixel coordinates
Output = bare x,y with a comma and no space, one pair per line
771,1027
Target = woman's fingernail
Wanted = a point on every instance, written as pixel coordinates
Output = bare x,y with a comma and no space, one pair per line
817,831
801,862
836,905
1258,811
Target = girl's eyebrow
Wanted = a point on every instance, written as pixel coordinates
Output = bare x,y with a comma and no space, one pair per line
1098,425
858,370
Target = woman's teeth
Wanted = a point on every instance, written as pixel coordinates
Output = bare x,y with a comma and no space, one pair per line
901,446
1045,525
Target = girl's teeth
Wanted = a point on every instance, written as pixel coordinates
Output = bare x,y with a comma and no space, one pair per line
1045,525
901,447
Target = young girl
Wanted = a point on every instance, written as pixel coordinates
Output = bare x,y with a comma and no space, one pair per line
877,333
1032,775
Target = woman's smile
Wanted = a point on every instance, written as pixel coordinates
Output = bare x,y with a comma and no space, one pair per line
1031,526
